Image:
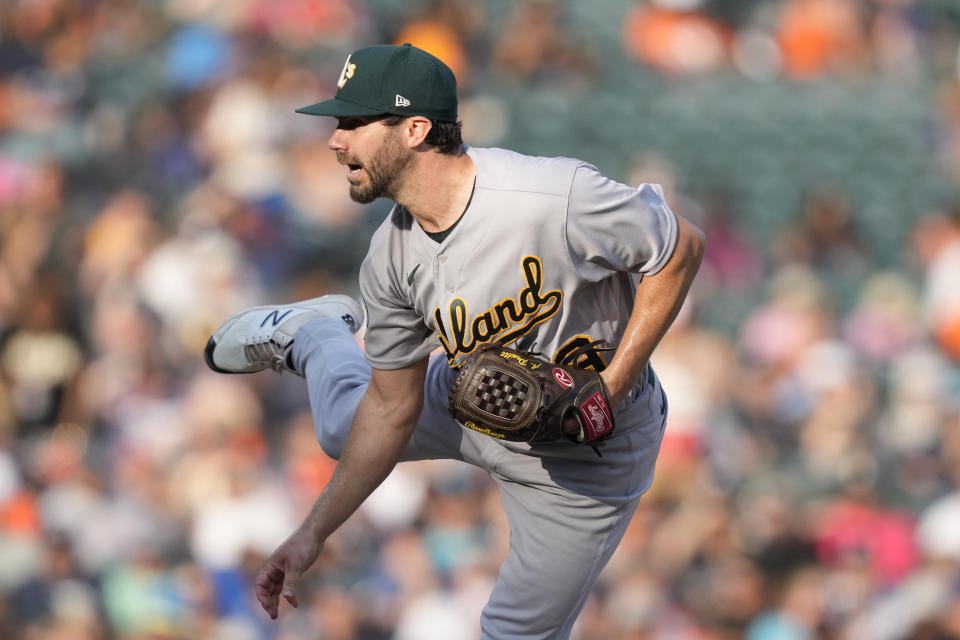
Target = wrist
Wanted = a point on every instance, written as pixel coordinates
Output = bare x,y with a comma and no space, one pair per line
310,530
616,390
317,524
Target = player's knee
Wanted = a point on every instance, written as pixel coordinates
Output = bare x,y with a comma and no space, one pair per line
333,415
332,440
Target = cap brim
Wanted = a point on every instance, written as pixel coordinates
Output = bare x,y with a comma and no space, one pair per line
338,109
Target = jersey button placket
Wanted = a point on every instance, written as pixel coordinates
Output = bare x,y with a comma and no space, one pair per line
441,260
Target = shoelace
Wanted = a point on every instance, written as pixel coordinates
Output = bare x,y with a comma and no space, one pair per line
269,353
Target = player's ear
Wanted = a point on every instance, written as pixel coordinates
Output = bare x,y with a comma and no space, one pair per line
417,128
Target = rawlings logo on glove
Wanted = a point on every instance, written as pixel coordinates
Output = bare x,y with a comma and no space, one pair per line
516,395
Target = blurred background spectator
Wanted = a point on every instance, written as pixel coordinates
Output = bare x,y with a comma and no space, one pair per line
154,179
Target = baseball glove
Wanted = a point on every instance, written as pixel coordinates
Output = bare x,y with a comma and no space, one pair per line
519,396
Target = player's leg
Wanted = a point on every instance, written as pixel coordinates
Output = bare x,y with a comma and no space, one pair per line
327,355
567,510
337,376
558,546
314,339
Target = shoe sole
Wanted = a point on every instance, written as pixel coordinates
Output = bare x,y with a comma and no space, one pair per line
212,343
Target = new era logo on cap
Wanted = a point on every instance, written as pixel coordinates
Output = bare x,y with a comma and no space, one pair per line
401,101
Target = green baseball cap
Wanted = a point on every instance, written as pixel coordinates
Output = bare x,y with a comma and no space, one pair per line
385,78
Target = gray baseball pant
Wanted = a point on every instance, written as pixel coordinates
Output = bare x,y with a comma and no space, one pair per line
567,508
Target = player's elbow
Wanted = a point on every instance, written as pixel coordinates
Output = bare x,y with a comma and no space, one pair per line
399,413
396,397
691,245
698,241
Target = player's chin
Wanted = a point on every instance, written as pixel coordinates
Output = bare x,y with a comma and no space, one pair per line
362,195
358,184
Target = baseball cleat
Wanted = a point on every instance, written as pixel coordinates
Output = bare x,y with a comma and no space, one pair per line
261,337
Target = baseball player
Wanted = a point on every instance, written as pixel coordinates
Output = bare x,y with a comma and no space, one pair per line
483,246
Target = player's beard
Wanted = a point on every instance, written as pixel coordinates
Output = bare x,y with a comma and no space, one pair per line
383,170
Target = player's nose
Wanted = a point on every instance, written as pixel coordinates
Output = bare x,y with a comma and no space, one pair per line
337,140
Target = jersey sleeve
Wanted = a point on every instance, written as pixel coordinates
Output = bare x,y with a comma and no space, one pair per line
396,335
612,227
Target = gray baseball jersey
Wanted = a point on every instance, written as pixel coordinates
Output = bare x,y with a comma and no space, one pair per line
546,255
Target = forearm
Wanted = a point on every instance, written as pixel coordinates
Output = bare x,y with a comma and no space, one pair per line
371,452
658,300
380,429
379,432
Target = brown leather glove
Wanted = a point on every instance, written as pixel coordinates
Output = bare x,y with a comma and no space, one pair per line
519,396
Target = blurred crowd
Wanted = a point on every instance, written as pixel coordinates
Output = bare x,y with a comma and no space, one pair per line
154,180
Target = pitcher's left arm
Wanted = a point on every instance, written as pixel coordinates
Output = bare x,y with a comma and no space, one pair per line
658,300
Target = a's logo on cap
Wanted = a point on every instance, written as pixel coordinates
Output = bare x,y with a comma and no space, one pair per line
347,73
401,101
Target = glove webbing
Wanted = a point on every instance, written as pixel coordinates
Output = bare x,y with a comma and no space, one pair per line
501,395
571,358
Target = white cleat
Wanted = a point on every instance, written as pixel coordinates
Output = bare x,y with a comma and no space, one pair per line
261,337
